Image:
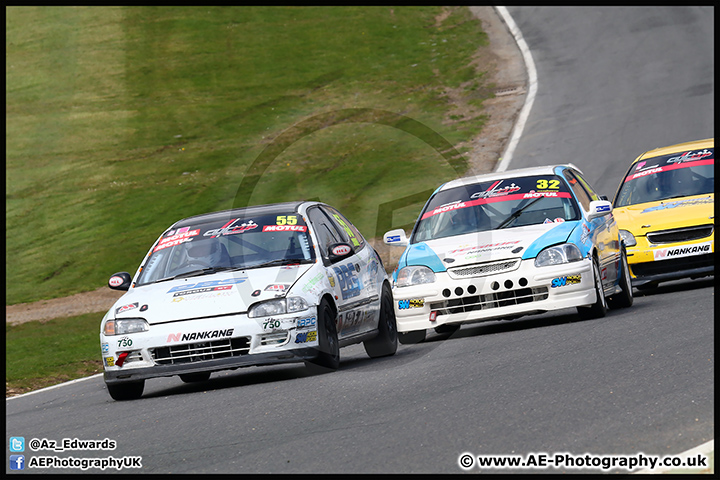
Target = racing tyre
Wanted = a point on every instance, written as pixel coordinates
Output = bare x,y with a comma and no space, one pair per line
386,341
446,331
195,377
126,391
599,308
623,299
328,357
408,338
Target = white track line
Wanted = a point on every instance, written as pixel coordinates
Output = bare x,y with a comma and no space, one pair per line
55,386
532,89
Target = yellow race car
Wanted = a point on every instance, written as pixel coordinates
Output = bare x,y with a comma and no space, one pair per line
664,209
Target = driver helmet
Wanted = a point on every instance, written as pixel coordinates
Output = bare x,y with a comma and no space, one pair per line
206,252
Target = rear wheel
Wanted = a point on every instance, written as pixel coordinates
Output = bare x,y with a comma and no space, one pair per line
623,299
126,391
599,308
195,377
328,357
408,338
386,341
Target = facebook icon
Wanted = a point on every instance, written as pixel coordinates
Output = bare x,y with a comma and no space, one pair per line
17,462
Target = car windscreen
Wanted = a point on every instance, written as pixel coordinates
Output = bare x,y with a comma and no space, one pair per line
232,243
681,174
510,202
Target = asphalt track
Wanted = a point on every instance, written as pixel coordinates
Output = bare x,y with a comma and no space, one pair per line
612,82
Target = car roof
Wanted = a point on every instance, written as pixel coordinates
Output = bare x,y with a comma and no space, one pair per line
252,210
518,172
693,145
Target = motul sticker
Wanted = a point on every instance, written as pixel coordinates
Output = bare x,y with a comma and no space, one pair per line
686,251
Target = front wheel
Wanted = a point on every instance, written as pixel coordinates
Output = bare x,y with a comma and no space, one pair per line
599,308
328,357
623,299
386,341
126,391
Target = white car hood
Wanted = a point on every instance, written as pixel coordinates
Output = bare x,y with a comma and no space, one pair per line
487,246
207,295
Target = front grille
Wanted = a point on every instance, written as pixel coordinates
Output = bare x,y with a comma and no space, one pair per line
482,269
201,351
672,265
680,234
490,300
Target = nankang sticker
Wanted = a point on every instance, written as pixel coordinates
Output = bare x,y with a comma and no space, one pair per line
125,308
676,252
567,280
187,337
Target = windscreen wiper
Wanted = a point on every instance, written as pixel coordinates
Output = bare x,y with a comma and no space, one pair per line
517,213
281,261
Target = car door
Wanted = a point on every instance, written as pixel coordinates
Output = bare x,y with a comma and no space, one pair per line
603,229
357,313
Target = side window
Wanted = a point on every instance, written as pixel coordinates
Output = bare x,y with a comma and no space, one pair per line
326,232
351,234
587,187
582,195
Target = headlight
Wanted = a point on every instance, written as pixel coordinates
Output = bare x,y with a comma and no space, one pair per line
125,325
277,307
414,275
628,238
567,252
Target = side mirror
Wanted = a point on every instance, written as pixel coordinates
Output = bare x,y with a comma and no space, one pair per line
120,281
396,238
338,251
599,208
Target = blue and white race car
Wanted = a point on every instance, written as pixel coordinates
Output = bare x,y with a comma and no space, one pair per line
288,282
504,245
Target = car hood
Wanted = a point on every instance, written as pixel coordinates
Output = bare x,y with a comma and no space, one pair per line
472,248
668,214
207,295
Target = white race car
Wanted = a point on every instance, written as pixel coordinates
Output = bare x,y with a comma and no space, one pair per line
504,245
288,282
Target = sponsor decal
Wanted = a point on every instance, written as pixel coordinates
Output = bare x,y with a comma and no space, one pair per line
105,347
602,208
306,322
172,243
125,308
341,250
482,248
679,203
110,361
331,279
312,282
347,278
201,296
186,337
411,303
256,293
585,235
534,194
271,323
392,238
178,236
691,156
227,281
675,252
202,290
284,228
143,308
115,281
231,228
566,280
277,288
303,337
495,191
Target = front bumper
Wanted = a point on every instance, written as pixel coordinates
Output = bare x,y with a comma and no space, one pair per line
523,291
209,344
670,261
